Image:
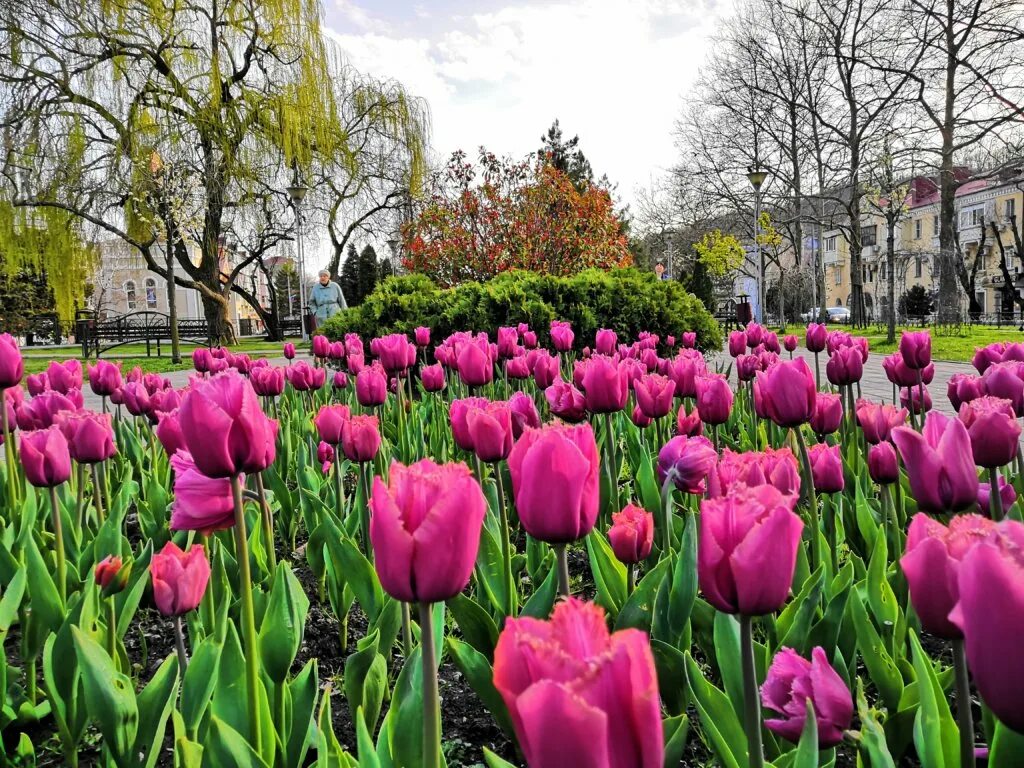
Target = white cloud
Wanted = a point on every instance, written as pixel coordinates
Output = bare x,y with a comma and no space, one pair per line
612,71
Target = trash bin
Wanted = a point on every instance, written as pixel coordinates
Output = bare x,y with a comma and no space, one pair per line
744,313
309,321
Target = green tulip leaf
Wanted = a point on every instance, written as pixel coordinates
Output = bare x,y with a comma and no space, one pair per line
476,625
478,673
229,749
109,697
200,679
283,623
609,574
936,735
155,703
717,718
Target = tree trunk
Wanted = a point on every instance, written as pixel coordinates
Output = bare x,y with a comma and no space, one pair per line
172,300
890,258
856,262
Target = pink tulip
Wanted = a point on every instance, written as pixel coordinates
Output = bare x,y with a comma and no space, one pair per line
816,337
458,416
791,342
566,402
562,336
916,400
916,349
828,414
605,342
747,367
789,392
687,460
329,422
882,464
508,342
321,347
111,575
425,529
325,455
371,386
689,339
490,430
524,413
65,376
845,367
1004,380
714,399
394,352
902,375
12,367
939,464
90,435
631,534
990,614
654,395
37,383
755,334
432,377
136,398
529,339
688,424
43,410
224,427
546,369
737,343
878,421
104,378
670,340
605,385
267,381
777,468
422,335
792,681
474,362
993,429
518,368
289,351
201,503
640,418
555,481
304,377
168,432
684,369
747,554
360,438
179,578
826,468
962,388
45,457
1007,495
578,695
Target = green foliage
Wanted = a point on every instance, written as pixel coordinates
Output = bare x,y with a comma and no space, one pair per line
626,300
697,281
721,253
917,302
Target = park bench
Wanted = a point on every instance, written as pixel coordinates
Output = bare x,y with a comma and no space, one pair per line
145,327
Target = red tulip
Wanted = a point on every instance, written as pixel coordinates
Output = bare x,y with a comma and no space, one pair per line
939,464
12,367
107,572
882,464
224,427
371,386
714,399
90,435
425,529
360,438
828,413
688,460
330,420
789,392
45,457
555,481
916,349
578,695
993,429
826,468
566,402
878,421
747,553
201,503
524,413
631,534
792,681
179,578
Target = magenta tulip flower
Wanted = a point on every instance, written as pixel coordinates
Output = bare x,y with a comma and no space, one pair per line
793,680
529,339
371,386
524,413
687,460
566,402
325,455
640,418
993,429
43,410
518,368
916,349
878,421
606,342
224,427
562,336
931,564
755,334
304,377
578,695
939,464
432,377
321,347
962,388
168,432
917,400
474,362
789,392
748,545
826,468
289,351
1004,380
816,337
45,457
845,366
828,414
689,339
791,342
777,468
425,529
883,466
12,367
684,369
902,375
63,377
546,368
714,399
458,414
394,352
267,381
631,534
90,435
490,430
179,578
329,422
201,503
1007,496
104,378
688,424
737,343
747,367
605,385
990,614
654,395
555,481
508,342
422,335
360,438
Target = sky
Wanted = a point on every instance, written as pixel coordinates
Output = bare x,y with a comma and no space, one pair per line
498,72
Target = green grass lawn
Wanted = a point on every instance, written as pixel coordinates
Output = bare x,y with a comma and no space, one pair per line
957,348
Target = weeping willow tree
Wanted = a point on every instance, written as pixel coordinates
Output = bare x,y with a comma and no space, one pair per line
191,115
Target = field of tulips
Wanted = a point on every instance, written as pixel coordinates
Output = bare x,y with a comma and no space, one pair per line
409,552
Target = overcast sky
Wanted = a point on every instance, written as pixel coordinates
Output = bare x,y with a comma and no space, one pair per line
497,72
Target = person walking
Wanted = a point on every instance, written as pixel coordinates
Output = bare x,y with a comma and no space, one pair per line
326,298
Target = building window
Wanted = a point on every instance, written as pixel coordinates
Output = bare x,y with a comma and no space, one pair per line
868,235
935,225
1010,209
839,275
917,229
830,243
151,293
972,217
129,295
918,265
881,272
980,298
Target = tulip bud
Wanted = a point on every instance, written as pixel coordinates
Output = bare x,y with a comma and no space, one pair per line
45,457
993,429
816,337
12,366
828,414
104,378
321,347
826,468
111,574
877,421
790,343
422,334
916,400
360,438
1007,495
939,464
371,386
179,578
330,420
289,351
714,399
605,342
789,392
688,424
605,385
916,349
562,336
638,417
524,413
687,460
737,343
566,402
845,366
631,534
90,435
882,464
792,681
546,368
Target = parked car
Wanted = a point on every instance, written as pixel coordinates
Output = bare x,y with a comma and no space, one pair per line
838,314
810,315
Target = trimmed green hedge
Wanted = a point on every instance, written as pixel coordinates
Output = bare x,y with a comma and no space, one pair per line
626,300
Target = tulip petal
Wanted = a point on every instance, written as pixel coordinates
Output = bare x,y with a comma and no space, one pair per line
764,561
392,544
559,729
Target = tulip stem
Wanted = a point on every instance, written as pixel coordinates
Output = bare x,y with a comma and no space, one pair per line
920,391
267,518
339,499
179,644
431,700
817,372
963,703
563,570
12,483
406,631
364,512
807,485
891,525
97,496
112,629
506,549
995,498
58,535
248,614
613,470
714,435
79,494
630,578
751,704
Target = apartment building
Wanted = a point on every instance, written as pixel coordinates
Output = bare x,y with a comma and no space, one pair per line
986,209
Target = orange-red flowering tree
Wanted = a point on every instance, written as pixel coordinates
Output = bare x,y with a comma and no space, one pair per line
496,215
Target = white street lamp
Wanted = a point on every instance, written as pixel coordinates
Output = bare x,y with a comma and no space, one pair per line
757,177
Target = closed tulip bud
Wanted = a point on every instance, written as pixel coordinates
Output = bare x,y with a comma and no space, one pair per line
422,334
689,424
714,399
826,468
136,398
828,413
747,554
321,346
360,438
12,366
770,341
163,401
524,413
201,503
916,349
755,334
689,339
546,368
990,614
201,359
104,378
518,368
962,388
63,377
168,432
877,421
267,381
747,367
224,427
902,375
631,534
566,402
325,455
425,529
111,575
90,435
1004,380
508,341
737,343
882,464
600,689
394,352
371,386
939,464
329,422
687,460
562,336
605,342
913,400
993,429
670,340
529,339
179,578
555,481
490,430
654,395
816,337
790,343
289,351
791,682
339,380
684,369
45,457
932,562
789,392
1007,495
605,385
432,377
845,366
37,383
640,418
474,362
